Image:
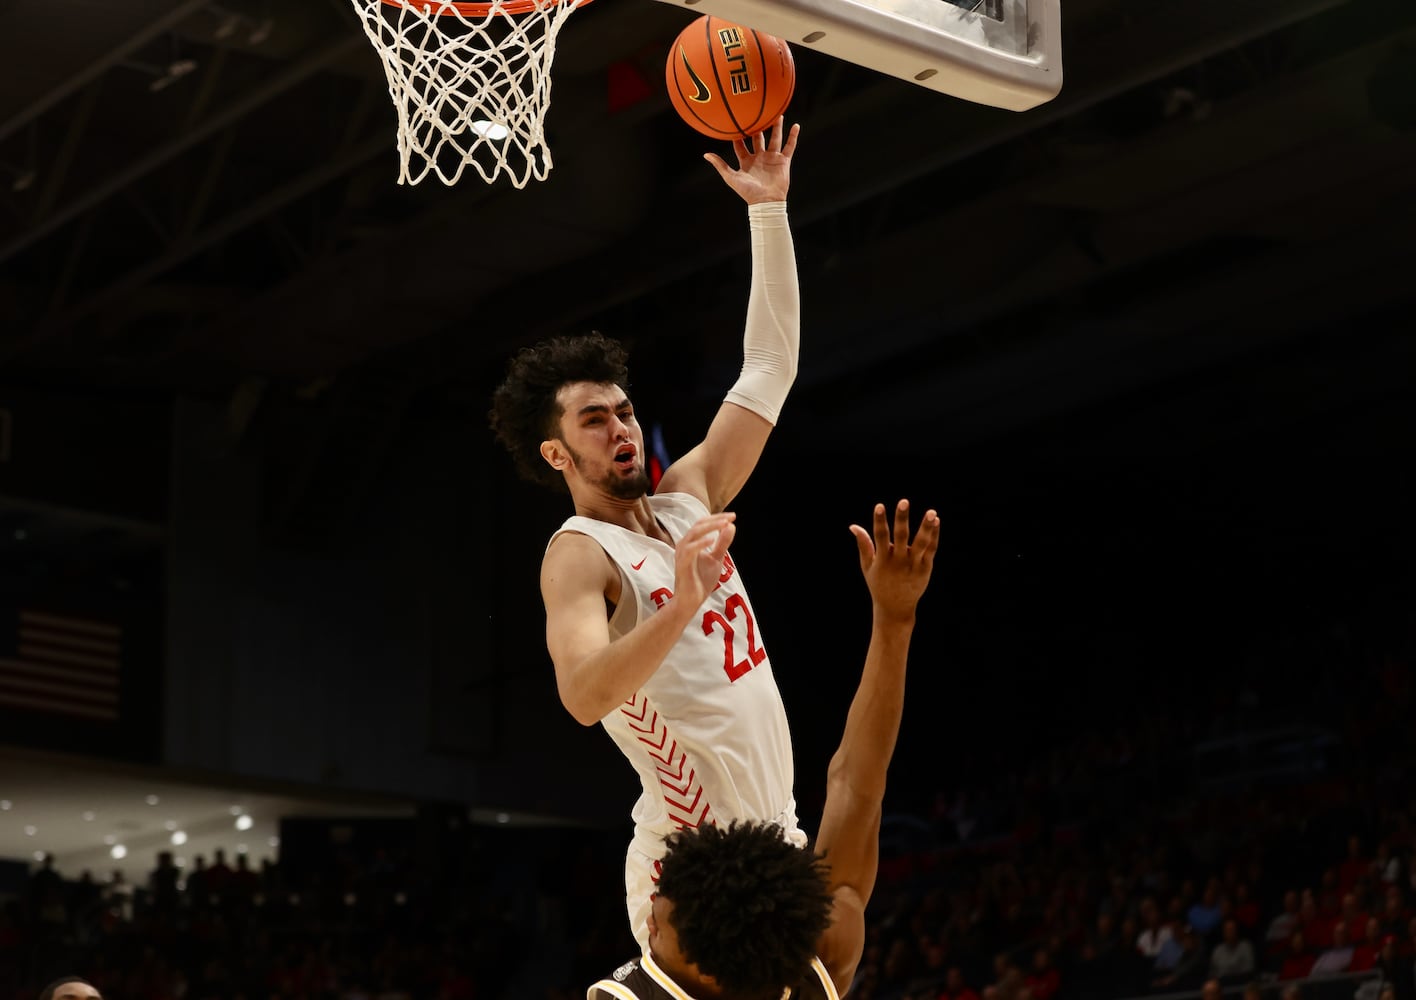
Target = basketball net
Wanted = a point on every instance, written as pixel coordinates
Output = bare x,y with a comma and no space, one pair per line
471,83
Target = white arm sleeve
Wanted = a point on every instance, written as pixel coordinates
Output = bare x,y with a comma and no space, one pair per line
773,336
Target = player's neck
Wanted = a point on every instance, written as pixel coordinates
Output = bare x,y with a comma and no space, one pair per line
632,515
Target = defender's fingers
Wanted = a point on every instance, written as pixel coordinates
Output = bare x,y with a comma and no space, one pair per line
864,546
882,530
902,523
927,539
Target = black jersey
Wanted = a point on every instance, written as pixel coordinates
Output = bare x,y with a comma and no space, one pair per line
642,979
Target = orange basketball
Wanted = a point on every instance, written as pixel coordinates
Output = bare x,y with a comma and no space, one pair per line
727,81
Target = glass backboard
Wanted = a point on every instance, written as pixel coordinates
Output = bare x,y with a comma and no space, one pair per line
1004,53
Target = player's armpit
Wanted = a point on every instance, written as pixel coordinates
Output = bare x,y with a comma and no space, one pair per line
576,577
718,467
843,944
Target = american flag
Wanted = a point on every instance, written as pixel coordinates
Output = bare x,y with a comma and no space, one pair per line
60,664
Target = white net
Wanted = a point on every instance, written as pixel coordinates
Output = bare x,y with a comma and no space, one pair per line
471,87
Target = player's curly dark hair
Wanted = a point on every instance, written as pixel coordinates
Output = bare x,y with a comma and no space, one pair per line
749,908
524,409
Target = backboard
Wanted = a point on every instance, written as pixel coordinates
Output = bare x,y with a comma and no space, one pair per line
1003,53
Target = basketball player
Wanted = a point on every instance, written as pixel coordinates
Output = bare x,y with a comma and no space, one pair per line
70,988
742,915
647,622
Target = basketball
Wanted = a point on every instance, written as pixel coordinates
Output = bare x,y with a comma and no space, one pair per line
727,81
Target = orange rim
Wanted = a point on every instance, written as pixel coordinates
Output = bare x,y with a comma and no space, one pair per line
482,9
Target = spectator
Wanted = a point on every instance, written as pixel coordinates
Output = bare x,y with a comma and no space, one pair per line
1297,960
1044,979
1317,929
1246,909
1233,956
1181,962
1281,928
1154,935
1355,868
1353,917
1369,948
955,988
1204,916
1336,958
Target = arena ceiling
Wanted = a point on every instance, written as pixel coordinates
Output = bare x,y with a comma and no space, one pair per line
194,193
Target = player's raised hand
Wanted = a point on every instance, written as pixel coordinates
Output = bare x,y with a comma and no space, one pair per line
896,568
764,170
698,557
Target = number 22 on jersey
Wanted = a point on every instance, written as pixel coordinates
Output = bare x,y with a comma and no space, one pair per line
734,610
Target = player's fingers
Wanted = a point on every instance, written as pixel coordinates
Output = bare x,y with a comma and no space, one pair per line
789,147
865,546
743,147
775,145
882,530
702,528
902,524
718,164
719,546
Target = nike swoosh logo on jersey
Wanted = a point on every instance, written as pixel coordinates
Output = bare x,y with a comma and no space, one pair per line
638,564
703,94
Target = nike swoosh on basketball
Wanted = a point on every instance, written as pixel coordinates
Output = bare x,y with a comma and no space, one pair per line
638,564
704,94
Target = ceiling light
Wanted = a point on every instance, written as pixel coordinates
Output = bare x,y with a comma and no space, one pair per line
88,816
180,861
179,837
350,899
30,831
39,855
274,841
5,805
118,852
237,810
503,818
110,839
241,849
152,800
244,822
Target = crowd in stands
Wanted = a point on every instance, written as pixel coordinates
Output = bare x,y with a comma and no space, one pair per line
1100,870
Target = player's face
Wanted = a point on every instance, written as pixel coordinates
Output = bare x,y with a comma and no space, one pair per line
664,947
603,439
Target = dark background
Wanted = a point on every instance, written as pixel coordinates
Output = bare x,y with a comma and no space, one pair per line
1147,348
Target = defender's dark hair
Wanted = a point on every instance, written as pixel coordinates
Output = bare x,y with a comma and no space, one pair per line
524,408
48,992
749,908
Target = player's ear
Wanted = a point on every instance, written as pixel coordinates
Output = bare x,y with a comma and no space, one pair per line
555,454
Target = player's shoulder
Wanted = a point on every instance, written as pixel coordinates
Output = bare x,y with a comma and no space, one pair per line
628,982
576,553
686,505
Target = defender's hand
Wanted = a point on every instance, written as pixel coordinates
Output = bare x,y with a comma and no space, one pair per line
764,164
896,569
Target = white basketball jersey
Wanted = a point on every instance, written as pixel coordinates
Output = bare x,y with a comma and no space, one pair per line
707,734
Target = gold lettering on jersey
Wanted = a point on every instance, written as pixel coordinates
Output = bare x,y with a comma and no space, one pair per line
739,79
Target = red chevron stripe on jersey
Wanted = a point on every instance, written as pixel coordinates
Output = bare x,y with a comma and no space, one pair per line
683,797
